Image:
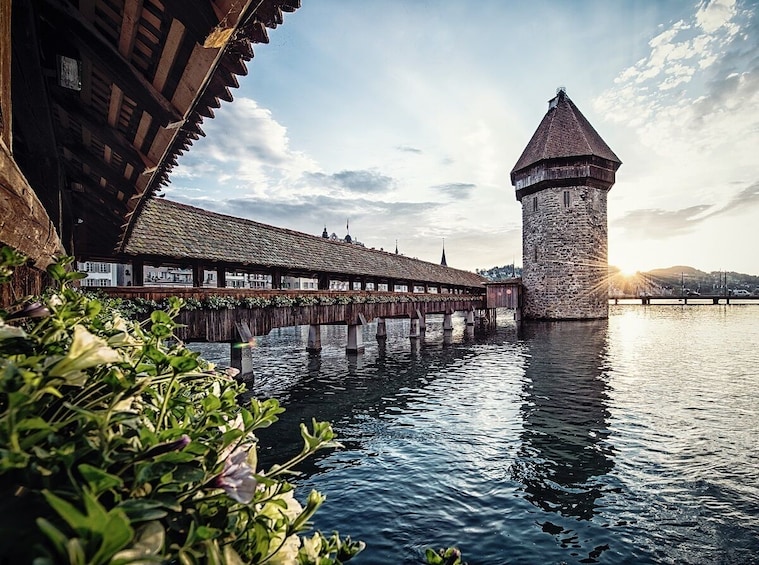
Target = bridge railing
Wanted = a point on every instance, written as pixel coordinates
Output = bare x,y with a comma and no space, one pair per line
212,314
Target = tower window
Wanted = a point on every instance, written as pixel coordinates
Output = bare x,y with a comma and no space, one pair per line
566,199
534,203
535,254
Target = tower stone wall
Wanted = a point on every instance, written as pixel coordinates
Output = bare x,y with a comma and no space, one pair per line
562,180
564,253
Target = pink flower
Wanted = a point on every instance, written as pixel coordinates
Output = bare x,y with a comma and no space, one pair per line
238,477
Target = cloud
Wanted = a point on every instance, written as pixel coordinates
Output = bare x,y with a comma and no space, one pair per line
740,203
245,148
409,149
364,181
652,223
456,190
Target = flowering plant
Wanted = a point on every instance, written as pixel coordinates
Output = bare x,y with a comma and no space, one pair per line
119,445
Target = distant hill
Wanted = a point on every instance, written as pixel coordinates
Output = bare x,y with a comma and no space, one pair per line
685,277
678,277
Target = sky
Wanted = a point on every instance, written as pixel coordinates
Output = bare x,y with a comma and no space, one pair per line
401,120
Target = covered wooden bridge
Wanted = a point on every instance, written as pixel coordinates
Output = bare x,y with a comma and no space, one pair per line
170,233
98,99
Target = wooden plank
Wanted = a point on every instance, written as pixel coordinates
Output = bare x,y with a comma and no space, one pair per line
129,21
24,223
168,55
121,71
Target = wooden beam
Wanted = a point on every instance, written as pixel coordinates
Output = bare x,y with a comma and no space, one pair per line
5,75
199,21
129,21
111,136
113,63
169,53
98,167
24,222
38,156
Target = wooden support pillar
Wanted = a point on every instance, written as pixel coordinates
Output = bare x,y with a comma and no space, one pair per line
276,279
323,282
447,328
356,336
314,344
138,272
197,275
221,277
381,329
470,318
414,331
240,353
422,322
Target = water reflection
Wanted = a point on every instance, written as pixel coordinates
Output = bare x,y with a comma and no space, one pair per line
564,411
345,389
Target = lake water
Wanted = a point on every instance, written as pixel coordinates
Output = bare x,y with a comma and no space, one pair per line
628,440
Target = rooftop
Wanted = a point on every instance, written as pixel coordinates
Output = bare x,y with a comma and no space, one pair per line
563,133
182,233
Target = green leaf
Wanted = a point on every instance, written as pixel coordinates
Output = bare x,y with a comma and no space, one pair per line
116,535
184,363
98,480
56,536
147,548
160,317
141,510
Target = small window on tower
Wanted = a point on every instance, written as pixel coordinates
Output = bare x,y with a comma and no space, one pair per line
534,203
535,254
566,199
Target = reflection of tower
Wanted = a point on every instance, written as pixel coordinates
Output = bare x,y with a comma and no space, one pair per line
564,417
562,179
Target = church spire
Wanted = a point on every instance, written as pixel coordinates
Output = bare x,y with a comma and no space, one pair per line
443,262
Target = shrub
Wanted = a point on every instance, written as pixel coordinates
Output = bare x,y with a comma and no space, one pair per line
118,445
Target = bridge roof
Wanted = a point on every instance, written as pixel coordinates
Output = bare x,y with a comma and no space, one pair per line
182,233
108,95
564,132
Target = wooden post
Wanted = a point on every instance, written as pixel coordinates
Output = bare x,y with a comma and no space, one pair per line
240,354
197,275
356,336
447,328
314,344
276,279
323,281
381,329
221,277
414,331
138,272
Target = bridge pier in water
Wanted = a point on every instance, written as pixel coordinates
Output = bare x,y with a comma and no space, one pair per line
314,344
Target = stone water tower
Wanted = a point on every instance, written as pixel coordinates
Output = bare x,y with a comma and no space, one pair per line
562,179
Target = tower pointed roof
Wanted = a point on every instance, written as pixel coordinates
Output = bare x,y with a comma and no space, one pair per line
443,262
563,133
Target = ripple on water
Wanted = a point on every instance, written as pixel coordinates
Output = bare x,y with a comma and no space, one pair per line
632,440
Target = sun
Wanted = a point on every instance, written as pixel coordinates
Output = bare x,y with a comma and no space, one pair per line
627,271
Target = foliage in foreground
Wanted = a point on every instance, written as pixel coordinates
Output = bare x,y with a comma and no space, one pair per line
118,445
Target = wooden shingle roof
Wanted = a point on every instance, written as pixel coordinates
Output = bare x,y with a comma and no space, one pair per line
563,133
183,233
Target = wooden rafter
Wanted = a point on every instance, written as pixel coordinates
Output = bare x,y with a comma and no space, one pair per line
120,70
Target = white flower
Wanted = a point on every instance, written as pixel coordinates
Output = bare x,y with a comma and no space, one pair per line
238,477
288,553
87,350
312,547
